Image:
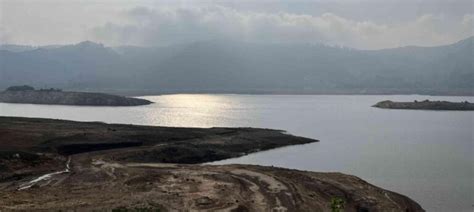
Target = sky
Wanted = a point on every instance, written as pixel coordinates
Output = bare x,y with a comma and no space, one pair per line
361,24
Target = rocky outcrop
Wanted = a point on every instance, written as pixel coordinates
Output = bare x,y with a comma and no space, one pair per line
426,105
57,97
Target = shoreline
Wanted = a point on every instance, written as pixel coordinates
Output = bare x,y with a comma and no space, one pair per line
104,178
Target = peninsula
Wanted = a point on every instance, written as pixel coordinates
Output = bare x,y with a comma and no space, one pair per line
28,95
426,105
48,164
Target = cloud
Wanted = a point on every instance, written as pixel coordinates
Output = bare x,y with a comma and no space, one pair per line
4,35
365,24
168,25
468,21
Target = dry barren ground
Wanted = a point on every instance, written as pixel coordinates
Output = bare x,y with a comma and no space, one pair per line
51,165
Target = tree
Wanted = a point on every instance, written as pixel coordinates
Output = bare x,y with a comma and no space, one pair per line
20,88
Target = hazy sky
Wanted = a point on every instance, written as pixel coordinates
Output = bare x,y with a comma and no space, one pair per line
363,24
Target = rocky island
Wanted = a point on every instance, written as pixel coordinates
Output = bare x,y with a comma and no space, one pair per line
28,95
51,165
426,105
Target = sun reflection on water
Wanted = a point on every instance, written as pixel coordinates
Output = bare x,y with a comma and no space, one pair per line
193,110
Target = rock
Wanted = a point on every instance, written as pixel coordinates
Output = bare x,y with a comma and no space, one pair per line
203,201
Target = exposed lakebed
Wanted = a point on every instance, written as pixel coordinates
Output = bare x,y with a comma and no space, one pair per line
102,171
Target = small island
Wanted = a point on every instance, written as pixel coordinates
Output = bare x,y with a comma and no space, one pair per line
426,105
29,95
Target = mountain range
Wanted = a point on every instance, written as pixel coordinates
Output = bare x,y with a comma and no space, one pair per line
237,67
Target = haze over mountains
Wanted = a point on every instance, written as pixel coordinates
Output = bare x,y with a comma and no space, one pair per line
236,67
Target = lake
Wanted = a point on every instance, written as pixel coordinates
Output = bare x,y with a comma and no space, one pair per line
426,155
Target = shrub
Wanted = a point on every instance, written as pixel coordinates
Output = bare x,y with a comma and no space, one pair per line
337,204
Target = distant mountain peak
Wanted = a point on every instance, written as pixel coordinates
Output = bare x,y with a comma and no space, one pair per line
90,46
88,43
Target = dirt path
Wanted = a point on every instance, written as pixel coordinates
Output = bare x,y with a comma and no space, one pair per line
45,179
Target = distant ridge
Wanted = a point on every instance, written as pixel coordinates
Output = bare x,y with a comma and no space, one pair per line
235,67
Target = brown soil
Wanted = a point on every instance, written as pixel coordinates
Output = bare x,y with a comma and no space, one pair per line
134,178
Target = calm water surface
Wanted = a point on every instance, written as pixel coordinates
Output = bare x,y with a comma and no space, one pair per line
426,155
